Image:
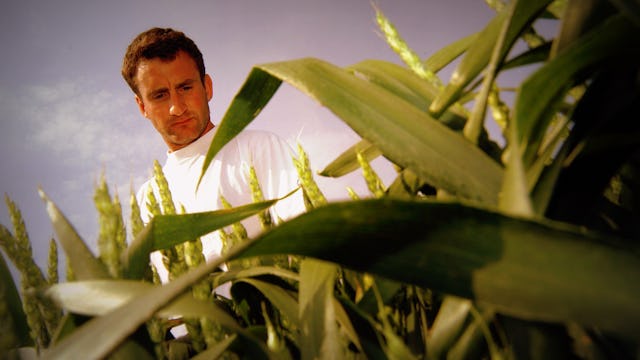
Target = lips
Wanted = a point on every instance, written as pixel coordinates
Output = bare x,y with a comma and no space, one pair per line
181,121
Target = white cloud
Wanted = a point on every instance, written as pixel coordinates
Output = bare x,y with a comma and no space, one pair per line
71,119
90,129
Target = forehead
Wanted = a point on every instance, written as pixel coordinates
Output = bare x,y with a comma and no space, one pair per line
153,73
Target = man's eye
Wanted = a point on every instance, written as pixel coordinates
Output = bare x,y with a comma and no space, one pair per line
187,87
158,96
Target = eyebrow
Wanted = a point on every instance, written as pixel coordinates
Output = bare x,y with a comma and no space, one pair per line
164,89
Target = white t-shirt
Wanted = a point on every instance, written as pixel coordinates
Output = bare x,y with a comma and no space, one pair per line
228,175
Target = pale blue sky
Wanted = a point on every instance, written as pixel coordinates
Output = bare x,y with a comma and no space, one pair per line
67,115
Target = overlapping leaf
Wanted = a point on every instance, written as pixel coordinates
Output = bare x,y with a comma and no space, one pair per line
99,297
540,94
165,231
529,269
406,135
478,55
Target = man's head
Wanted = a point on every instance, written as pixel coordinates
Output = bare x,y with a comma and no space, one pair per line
158,43
165,70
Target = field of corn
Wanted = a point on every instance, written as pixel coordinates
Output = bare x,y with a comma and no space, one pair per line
475,251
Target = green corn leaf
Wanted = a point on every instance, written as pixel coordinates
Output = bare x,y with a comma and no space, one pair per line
99,297
535,55
165,231
14,321
348,160
235,275
370,342
542,92
474,126
406,135
580,16
448,325
246,105
447,54
117,325
478,55
471,344
529,269
404,84
85,265
316,311
282,299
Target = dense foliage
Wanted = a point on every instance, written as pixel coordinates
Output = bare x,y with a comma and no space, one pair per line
476,250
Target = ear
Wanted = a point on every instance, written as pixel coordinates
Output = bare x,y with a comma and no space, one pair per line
208,86
141,106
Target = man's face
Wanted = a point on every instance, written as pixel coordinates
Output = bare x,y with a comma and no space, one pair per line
174,99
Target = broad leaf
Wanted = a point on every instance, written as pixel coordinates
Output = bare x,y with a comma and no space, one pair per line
528,269
99,297
85,265
447,54
479,54
348,160
115,326
448,325
403,83
539,96
13,318
405,135
246,105
165,231
316,310
531,56
282,299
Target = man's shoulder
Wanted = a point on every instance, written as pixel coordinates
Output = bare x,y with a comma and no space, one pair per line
257,135
259,140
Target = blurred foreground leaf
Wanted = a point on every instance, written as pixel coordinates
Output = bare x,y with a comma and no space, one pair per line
529,269
98,297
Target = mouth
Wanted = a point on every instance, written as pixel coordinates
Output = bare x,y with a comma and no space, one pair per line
180,122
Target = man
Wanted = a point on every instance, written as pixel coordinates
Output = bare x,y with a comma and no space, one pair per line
166,72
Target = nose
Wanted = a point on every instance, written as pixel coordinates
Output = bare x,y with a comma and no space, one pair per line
177,105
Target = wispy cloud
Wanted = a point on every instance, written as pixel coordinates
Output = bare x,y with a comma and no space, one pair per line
90,129
72,118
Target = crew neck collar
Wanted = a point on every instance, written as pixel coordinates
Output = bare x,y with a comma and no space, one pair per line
198,147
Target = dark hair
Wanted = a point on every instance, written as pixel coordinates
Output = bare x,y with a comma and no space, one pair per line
158,43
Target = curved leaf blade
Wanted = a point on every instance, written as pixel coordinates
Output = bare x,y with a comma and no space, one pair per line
246,105
10,298
447,54
114,327
479,54
405,135
348,160
165,231
79,256
539,95
99,297
403,83
529,269
282,299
